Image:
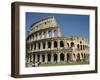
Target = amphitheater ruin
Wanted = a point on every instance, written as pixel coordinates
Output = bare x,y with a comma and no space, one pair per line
46,44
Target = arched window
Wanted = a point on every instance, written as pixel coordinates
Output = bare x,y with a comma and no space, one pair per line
55,44
68,56
36,35
62,57
78,46
50,33
44,34
82,55
61,44
43,58
43,45
49,44
72,44
38,45
55,57
34,46
49,57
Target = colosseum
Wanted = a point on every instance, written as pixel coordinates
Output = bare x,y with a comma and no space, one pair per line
45,44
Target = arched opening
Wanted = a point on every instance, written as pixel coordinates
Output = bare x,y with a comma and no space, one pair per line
61,44
50,33
34,46
43,45
55,57
55,44
78,46
68,57
31,46
38,45
36,35
43,58
55,33
49,44
72,44
82,55
45,34
62,57
49,57
33,57
83,47
78,57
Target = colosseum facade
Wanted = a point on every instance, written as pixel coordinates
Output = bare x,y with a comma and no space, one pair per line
46,44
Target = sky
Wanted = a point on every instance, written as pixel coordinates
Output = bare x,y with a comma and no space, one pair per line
70,24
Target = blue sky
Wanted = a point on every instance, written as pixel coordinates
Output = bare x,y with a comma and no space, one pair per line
70,24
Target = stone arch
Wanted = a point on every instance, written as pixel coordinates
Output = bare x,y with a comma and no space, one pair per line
34,46
78,46
55,57
40,34
38,45
55,44
36,35
44,34
72,44
68,56
43,58
50,33
61,44
62,56
82,55
49,44
49,57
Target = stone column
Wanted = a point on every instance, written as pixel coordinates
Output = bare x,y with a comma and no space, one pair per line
52,58
65,57
46,45
34,36
65,45
29,58
38,36
58,55
33,47
47,35
41,45
58,44
35,57
52,33
59,32
36,46
40,58
42,33
45,58
52,44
